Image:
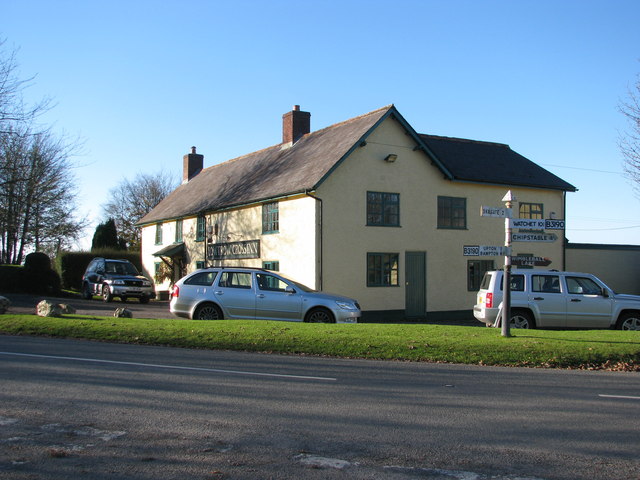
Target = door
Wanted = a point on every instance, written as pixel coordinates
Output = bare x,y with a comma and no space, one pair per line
415,284
274,301
587,307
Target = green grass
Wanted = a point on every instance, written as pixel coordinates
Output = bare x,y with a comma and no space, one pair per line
587,349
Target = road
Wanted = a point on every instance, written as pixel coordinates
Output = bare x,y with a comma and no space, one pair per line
79,409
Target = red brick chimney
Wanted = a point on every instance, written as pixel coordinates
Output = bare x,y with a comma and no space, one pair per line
295,124
191,165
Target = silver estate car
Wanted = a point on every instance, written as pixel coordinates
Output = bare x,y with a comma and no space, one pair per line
253,293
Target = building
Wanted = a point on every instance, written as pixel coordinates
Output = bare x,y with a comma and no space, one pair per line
367,208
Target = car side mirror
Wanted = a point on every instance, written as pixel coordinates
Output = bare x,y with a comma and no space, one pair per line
289,289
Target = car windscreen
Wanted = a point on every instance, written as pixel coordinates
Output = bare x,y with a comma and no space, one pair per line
120,268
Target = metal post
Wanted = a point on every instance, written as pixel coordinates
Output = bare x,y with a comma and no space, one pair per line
506,299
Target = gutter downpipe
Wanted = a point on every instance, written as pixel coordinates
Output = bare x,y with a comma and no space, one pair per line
319,202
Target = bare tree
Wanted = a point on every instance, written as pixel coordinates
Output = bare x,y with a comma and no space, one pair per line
37,196
130,200
629,142
13,110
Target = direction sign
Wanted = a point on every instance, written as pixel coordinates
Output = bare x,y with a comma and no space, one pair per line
500,212
523,261
536,224
534,237
484,251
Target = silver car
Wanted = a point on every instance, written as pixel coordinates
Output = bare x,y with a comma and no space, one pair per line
253,293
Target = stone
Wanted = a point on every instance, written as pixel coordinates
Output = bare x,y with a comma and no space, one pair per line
4,304
67,309
48,309
122,313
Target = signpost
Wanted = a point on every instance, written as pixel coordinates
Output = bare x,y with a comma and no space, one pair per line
509,237
534,237
524,261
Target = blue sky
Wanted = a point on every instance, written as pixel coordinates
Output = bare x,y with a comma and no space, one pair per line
143,81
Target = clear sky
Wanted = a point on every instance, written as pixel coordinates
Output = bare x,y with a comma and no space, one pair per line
143,81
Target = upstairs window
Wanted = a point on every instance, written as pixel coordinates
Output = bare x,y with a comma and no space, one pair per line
383,209
531,210
452,212
270,218
200,227
158,234
179,230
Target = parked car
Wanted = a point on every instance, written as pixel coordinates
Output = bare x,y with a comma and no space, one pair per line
115,278
548,298
253,293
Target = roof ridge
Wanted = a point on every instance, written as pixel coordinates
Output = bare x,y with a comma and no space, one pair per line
466,140
279,145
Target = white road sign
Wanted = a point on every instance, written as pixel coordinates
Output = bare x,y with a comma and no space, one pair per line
534,237
500,212
485,251
537,224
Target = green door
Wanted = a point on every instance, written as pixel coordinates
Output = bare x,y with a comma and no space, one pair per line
415,284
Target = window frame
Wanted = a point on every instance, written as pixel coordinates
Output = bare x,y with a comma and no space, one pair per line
386,273
271,217
448,222
385,201
201,226
179,225
158,233
474,278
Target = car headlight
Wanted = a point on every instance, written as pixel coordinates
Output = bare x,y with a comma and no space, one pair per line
346,305
146,283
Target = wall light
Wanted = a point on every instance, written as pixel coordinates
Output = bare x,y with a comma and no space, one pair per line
392,157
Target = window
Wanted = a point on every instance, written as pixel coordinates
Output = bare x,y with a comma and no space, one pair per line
452,212
583,286
179,230
475,272
200,226
202,278
383,209
545,283
158,234
200,264
517,283
531,210
235,280
382,269
270,218
270,283
274,266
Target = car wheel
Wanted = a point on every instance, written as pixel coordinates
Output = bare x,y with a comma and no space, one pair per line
106,293
86,292
207,311
629,321
521,319
144,299
319,315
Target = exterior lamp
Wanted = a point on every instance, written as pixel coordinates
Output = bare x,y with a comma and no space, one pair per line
392,157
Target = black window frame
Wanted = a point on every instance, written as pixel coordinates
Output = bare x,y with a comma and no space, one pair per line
449,209
383,209
475,272
386,269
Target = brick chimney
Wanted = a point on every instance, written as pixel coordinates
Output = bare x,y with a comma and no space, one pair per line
295,124
191,165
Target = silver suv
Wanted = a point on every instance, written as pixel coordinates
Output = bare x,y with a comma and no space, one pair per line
115,278
253,293
548,298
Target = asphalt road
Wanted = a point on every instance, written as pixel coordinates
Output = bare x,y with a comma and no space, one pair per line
78,409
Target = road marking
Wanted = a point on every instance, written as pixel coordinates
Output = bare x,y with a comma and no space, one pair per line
171,367
619,396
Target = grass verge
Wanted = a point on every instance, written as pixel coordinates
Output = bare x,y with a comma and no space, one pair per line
585,349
